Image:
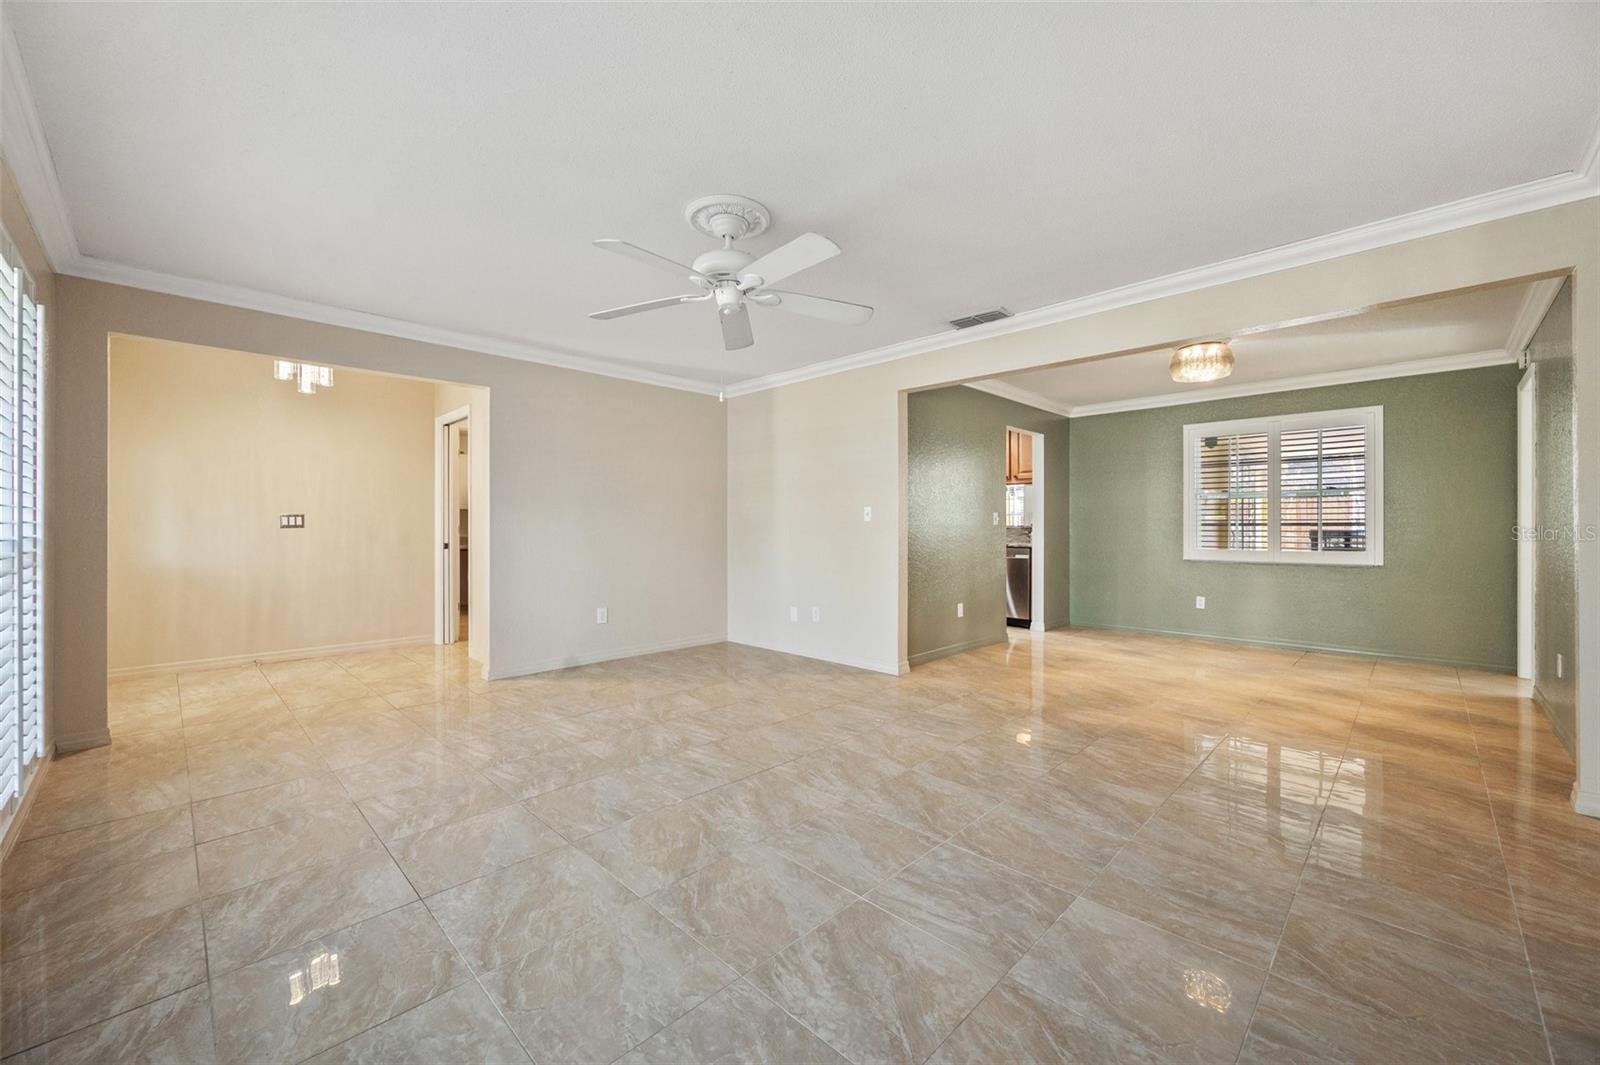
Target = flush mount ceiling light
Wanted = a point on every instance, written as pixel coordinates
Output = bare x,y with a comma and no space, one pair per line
1209,360
308,377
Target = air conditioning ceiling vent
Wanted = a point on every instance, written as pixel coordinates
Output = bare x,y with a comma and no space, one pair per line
981,318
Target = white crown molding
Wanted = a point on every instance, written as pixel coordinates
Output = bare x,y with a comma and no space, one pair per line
1535,305
27,153
1577,184
255,300
1005,390
1443,364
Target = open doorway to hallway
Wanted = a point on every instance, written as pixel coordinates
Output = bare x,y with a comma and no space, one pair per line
454,493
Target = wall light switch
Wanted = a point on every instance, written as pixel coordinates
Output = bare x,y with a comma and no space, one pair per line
961,610
794,613
1560,667
1199,602
600,615
996,519
816,613
866,513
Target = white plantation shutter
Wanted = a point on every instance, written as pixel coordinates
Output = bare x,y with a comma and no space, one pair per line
21,543
1298,488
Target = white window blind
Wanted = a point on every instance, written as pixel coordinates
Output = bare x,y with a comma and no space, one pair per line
21,592
1299,488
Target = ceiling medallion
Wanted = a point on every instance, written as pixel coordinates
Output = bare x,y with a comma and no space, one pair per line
1209,360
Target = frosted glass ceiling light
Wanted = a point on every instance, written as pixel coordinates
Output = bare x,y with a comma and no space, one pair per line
1210,360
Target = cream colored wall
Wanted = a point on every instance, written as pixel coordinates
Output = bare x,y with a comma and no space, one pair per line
604,492
205,451
804,459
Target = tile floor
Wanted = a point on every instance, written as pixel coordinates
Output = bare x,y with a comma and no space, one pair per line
1085,846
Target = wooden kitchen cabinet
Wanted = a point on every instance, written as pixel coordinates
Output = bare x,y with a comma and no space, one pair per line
1019,457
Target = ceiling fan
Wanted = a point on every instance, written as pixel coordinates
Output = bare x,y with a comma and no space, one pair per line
734,279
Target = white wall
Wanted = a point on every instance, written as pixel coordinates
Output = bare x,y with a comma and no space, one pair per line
206,450
804,458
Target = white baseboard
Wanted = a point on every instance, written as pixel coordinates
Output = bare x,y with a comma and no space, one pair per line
953,649
225,661
1586,803
85,741
894,669
1291,645
545,665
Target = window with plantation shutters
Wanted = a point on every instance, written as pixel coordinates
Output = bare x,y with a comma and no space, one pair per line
1297,488
21,631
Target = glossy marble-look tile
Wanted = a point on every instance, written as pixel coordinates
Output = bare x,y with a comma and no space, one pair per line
463,850
37,919
1057,850
415,808
423,763
176,1029
1014,1024
37,862
293,1004
594,805
231,765
313,835
270,915
851,847
514,911
242,811
660,847
750,903
874,987
596,993
460,1025
927,803
1183,1001
740,1024
1457,997
987,911
96,972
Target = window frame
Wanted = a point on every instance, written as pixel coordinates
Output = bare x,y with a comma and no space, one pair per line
1274,427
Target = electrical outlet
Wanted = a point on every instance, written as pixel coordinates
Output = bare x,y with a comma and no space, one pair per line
816,613
601,615
1560,666
794,613
866,513
291,521
961,610
1199,602
996,518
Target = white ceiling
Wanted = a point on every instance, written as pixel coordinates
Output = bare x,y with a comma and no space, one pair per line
1436,332
448,164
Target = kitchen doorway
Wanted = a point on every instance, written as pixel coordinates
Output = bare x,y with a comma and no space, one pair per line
452,621
1024,519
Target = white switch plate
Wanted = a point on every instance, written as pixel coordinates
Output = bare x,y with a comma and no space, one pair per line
997,517
961,610
816,613
1559,667
1199,602
794,613
600,615
866,513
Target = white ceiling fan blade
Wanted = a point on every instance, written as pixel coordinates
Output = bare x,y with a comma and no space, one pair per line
647,305
736,329
660,262
801,253
816,306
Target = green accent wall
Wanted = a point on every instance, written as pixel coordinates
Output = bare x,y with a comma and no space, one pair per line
1555,555
955,483
1446,591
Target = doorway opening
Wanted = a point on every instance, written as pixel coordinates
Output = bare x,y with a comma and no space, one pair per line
453,495
1024,529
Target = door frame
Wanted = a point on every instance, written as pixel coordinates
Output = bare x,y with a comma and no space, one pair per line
444,581
1036,541
1527,487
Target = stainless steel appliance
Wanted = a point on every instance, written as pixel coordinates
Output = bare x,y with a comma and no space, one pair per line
1019,585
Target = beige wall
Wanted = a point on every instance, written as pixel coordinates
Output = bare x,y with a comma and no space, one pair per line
205,450
805,458
604,492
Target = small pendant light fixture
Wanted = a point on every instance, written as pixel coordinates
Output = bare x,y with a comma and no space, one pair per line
1209,360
